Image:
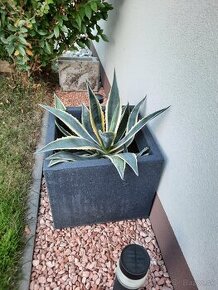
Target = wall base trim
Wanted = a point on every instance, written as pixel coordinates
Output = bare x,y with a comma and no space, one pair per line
174,259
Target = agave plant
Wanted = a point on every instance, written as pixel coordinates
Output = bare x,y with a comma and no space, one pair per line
100,134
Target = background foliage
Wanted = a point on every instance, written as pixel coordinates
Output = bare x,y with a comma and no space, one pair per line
35,32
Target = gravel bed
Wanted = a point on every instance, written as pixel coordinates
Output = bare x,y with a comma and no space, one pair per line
84,258
76,98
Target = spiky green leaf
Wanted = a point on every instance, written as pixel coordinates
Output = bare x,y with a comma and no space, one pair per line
61,155
133,117
113,108
96,113
69,156
143,151
118,163
71,122
55,162
107,138
70,143
123,124
85,118
135,129
63,130
58,103
131,160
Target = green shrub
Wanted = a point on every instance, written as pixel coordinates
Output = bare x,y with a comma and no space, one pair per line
34,32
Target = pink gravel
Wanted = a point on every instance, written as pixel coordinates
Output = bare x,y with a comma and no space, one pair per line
84,258
76,98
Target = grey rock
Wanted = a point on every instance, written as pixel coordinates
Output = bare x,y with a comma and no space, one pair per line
74,72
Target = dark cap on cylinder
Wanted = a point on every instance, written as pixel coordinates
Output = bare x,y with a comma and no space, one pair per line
134,262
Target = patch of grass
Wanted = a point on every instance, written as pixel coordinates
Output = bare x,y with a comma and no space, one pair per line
20,128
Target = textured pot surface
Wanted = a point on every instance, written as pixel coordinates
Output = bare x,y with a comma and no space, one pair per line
92,191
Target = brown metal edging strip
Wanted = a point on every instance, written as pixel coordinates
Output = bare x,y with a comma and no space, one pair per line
174,259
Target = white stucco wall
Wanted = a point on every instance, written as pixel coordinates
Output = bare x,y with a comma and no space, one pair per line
169,51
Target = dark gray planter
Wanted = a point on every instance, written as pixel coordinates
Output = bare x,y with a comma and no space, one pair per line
88,192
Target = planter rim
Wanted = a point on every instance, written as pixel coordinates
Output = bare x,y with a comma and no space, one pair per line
155,156
95,162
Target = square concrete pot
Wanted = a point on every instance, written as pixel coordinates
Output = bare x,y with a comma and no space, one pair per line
75,71
92,191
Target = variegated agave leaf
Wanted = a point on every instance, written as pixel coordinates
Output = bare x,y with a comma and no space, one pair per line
120,161
80,155
86,121
71,122
98,135
55,162
58,103
123,123
63,156
113,108
96,114
131,160
144,151
133,118
71,143
107,139
119,164
60,106
135,129
62,130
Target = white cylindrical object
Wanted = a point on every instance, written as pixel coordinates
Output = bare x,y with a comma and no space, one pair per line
127,282
132,268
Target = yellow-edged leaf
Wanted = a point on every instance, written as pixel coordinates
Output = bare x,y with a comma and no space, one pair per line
16,53
70,143
96,114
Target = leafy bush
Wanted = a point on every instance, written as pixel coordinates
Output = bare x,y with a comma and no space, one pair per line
34,32
100,134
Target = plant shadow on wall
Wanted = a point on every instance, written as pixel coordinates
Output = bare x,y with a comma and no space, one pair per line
93,142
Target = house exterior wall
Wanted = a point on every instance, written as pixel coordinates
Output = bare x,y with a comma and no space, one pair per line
169,51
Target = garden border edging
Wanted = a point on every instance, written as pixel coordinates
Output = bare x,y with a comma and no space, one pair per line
32,212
